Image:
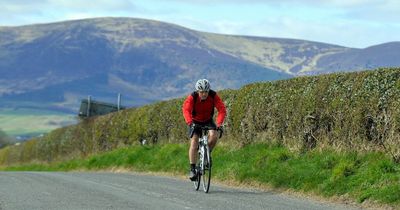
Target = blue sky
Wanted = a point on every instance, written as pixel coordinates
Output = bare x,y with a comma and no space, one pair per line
351,23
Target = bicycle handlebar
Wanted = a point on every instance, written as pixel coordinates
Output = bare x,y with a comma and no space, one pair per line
206,128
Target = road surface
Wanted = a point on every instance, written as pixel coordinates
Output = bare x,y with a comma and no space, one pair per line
88,190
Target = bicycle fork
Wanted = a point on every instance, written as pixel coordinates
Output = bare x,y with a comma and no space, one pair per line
202,153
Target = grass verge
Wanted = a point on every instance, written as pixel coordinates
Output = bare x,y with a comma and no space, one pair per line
361,177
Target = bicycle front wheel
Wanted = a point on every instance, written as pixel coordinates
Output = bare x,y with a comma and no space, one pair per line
206,169
196,182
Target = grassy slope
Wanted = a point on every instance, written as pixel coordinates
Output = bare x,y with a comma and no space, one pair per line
328,173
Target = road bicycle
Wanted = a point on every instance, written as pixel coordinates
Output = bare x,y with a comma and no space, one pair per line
204,161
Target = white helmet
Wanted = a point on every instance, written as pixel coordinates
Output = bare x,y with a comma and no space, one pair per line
202,85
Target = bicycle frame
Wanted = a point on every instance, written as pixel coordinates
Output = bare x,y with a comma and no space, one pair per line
203,166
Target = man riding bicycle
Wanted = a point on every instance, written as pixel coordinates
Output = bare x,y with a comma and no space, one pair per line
198,109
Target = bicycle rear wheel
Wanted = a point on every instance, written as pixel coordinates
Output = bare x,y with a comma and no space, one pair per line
206,170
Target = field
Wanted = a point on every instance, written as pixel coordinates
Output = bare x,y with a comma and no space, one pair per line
32,122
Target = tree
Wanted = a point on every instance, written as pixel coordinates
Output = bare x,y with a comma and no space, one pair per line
4,139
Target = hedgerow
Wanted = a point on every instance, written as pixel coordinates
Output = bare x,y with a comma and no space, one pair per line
344,111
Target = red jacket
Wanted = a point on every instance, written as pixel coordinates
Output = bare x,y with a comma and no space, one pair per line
203,109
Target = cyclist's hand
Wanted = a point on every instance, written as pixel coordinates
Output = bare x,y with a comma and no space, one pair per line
192,125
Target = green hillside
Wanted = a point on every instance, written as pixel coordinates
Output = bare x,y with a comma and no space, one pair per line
355,116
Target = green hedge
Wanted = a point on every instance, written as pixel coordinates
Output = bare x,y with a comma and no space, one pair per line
345,111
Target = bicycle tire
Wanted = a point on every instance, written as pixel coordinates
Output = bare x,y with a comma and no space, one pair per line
206,169
196,183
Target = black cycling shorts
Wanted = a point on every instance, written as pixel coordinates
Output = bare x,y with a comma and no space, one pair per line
197,130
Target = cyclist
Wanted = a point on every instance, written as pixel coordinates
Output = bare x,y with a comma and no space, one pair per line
198,108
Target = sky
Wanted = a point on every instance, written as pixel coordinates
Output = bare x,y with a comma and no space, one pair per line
350,23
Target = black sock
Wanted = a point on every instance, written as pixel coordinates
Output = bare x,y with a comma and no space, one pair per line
192,166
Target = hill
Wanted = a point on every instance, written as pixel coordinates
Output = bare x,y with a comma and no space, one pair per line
53,66
57,64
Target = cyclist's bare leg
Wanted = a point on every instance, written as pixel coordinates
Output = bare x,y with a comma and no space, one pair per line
194,141
212,138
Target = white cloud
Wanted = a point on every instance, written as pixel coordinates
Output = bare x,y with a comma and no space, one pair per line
349,6
22,2
98,5
358,35
21,12
352,23
77,16
20,7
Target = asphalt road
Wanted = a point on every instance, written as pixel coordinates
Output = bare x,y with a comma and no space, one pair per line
49,190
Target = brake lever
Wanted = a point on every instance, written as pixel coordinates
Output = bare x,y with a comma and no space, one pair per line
221,131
